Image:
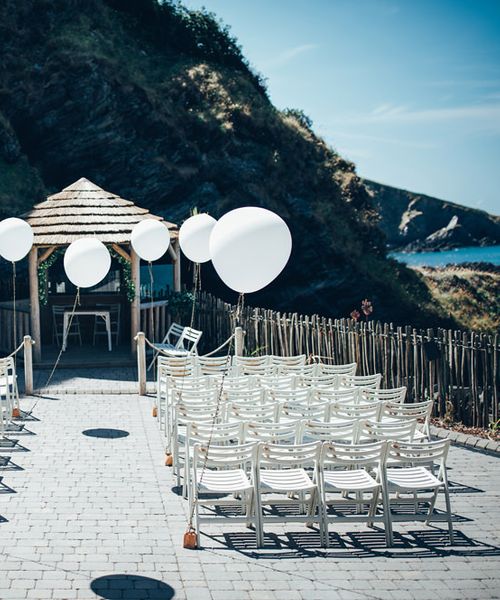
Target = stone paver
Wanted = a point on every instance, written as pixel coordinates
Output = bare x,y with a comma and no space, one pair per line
92,517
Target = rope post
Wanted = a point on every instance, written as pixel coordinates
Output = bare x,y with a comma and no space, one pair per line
238,341
141,362
28,365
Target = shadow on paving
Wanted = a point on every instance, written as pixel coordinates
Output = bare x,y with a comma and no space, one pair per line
428,543
128,587
105,433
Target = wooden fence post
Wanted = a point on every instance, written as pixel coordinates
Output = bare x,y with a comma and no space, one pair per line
28,365
238,341
141,361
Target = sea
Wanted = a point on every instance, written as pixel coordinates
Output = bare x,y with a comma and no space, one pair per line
489,254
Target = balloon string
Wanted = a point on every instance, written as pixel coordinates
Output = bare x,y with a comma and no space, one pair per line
151,307
14,315
75,304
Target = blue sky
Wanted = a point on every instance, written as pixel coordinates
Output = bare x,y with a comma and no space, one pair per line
409,90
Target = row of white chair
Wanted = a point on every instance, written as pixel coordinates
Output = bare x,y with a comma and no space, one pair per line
293,432
314,477
268,365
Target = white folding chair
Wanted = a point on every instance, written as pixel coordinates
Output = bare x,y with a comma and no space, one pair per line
202,432
421,411
253,396
411,472
222,471
280,470
169,342
352,468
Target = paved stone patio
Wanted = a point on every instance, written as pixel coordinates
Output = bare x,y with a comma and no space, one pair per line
96,517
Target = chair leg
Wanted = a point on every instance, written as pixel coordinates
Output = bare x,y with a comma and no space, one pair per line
373,506
259,528
386,502
448,511
431,507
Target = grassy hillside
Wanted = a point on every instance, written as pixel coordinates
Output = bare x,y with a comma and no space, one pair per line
468,293
157,104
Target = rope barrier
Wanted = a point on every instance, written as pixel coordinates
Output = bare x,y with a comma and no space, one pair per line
18,349
75,304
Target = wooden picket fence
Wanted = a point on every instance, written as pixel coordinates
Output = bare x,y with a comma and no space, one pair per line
458,368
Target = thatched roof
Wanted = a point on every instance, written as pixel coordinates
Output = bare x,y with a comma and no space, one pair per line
83,209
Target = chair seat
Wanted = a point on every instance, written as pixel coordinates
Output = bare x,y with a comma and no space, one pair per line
412,478
224,482
354,480
286,480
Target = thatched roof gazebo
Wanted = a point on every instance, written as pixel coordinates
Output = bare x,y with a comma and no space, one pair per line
83,209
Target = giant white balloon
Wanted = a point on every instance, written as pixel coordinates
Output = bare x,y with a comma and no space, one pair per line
194,236
250,247
16,239
86,262
150,239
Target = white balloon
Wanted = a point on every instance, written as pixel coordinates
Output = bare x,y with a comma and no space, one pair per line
249,248
86,262
150,239
16,239
194,236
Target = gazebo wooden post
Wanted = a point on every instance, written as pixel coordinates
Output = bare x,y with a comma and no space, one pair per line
135,306
177,266
35,303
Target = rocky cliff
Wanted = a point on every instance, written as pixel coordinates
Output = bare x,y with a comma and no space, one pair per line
157,104
416,222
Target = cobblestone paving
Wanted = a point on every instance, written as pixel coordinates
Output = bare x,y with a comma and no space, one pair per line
96,517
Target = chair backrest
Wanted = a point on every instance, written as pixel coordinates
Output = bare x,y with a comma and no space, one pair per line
287,361
332,395
304,395
173,334
240,382
327,381
328,369
189,340
259,370
355,411
223,457
277,381
251,361
353,455
176,366
338,431
273,433
296,369
421,453
208,365
215,433
243,411
251,395
289,455
197,395
411,410
317,411
382,395
378,431
363,381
